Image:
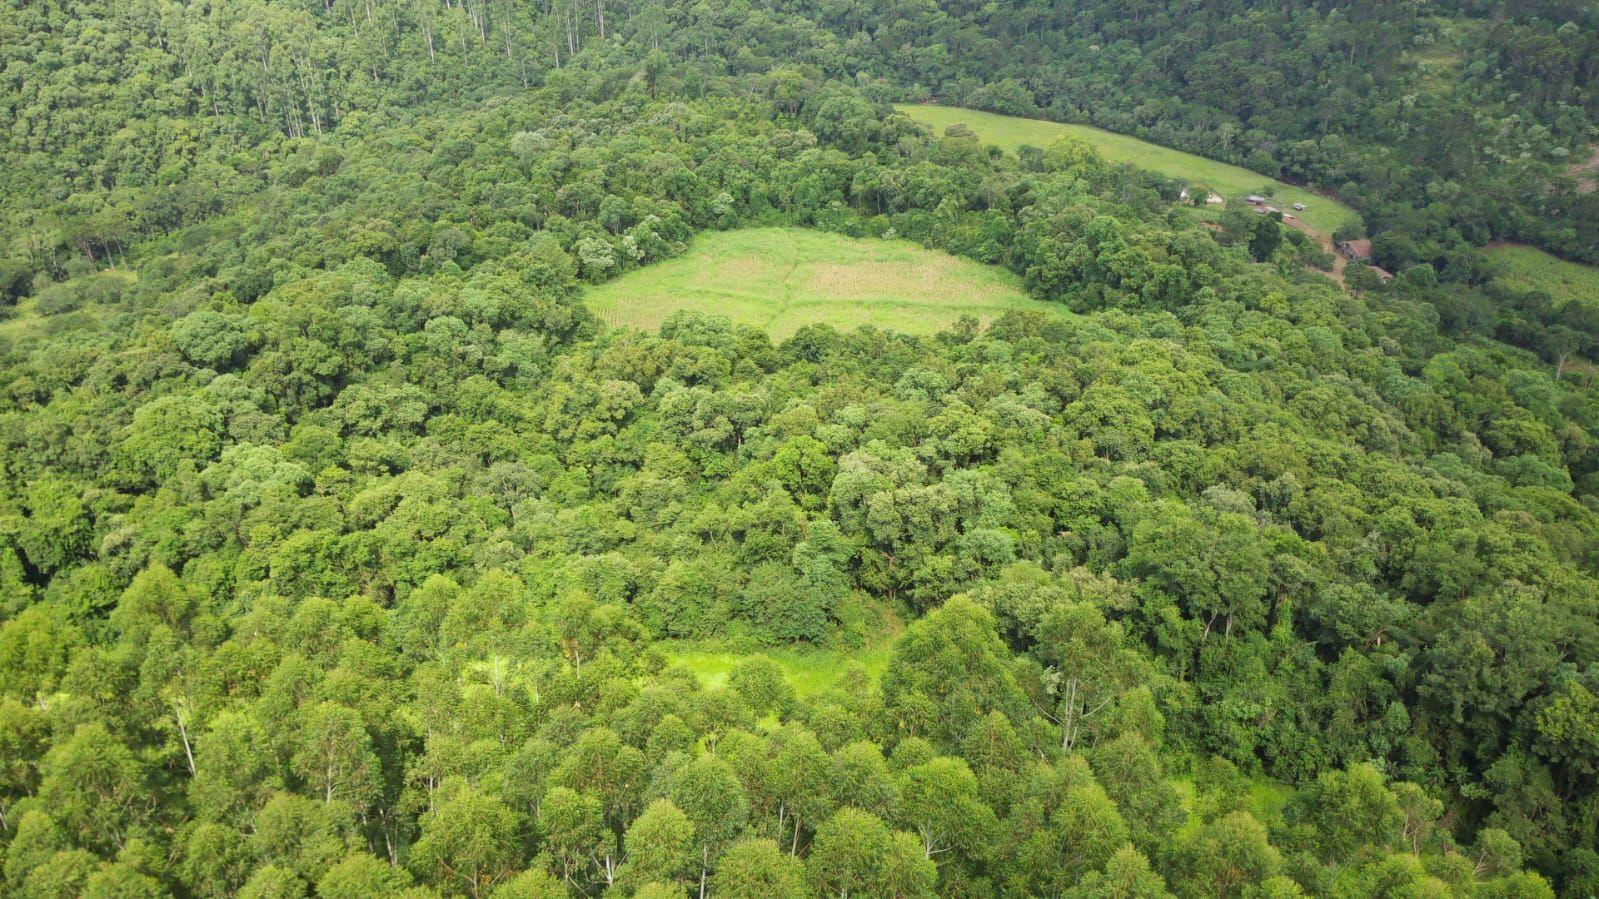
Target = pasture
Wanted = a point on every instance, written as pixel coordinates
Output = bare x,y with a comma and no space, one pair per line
1529,268
1323,215
781,279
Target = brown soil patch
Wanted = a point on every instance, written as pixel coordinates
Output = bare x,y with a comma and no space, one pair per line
1339,262
1586,173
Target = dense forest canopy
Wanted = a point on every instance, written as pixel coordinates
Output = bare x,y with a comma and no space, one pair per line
1450,124
343,552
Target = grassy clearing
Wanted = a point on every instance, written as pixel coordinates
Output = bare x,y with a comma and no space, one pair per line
1528,268
1437,68
78,303
1266,801
809,671
23,323
781,279
1268,797
1233,183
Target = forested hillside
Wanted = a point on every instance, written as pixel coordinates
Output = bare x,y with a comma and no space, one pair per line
1448,123
345,552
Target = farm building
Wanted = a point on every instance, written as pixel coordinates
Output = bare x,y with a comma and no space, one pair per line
1299,207
1383,274
1254,199
1355,250
1214,200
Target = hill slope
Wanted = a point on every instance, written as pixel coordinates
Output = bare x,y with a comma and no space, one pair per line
1323,215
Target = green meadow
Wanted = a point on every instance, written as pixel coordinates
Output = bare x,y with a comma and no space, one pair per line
1528,268
782,279
77,303
809,671
1230,181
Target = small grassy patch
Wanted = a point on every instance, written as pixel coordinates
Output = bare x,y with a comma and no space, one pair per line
78,303
22,323
809,671
1266,800
1437,68
1528,268
1233,183
781,279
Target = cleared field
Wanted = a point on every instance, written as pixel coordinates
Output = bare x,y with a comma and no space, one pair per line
81,302
23,323
809,671
1529,268
781,279
1233,183
1265,801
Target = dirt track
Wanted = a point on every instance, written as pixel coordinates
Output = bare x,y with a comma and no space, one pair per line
1326,242
1586,173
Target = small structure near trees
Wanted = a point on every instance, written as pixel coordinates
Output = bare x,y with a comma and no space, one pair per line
1355,250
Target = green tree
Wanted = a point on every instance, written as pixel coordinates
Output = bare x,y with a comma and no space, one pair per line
948,670
95,786
758,869
763,685
659,845
1126,876
1226,856
57,530
1351,810
362,875
940,801
1267,236
1090,665
709,793
533,884
573,830
335,756
855,853
467,843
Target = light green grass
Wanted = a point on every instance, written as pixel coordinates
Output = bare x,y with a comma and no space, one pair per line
809,671
27,322
1528,268
24,322
781,279
1230,181
1267,799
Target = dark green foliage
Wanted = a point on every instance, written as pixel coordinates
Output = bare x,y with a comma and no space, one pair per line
337,539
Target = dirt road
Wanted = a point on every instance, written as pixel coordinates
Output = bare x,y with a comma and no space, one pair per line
1326,242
